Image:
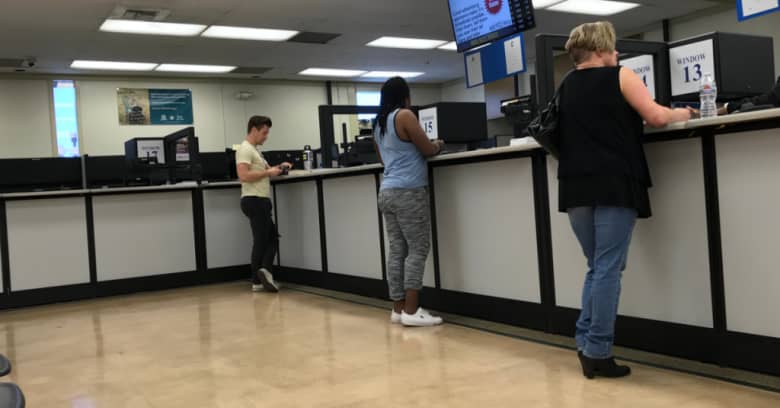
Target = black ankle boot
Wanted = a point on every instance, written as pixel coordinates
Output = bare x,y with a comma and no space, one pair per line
606,367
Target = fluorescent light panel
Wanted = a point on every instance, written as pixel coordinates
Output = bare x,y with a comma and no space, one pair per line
450,46
390,74
329,72
113,65
540,4
593,7
152,28
247,33
204,69
407,43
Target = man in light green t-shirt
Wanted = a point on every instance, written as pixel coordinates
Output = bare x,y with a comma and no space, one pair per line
255,175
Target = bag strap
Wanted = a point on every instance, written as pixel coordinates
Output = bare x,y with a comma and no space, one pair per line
558,90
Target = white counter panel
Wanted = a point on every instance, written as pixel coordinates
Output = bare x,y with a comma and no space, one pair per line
667,276
352,226
47,243
147,234
228,233
487,229
299,225
749,195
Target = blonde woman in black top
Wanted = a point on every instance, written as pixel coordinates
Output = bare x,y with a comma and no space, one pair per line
604,178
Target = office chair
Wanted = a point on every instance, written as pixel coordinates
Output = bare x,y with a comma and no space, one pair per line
11,395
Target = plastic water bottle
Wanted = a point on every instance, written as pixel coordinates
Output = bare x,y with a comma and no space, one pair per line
708,94
308,158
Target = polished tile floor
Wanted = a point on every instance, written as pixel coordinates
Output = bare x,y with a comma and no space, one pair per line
222,346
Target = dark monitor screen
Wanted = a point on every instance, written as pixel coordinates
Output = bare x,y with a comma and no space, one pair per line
478,22
215,166
147,151
37,174
180,146
277,157
108,171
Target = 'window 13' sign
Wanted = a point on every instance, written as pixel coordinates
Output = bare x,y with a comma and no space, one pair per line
688,64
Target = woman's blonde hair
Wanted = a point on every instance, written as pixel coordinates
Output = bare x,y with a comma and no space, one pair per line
588,38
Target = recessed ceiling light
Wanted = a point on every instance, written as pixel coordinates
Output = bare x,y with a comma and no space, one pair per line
113,65
540,4
152,28
407,43
246,33
450,46
328,72
205,69
390,74
593,7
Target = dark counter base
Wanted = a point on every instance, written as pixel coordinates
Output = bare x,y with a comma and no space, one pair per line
37,297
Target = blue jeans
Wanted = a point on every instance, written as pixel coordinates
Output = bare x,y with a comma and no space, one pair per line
604,234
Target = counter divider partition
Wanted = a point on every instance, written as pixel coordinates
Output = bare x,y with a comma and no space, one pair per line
4,262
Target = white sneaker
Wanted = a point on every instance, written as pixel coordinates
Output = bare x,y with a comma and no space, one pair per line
422,318
395,318
257,287
268,280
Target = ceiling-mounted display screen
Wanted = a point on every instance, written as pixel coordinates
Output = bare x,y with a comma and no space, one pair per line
477,22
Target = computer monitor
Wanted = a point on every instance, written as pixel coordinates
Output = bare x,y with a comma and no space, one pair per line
148,151
182,147
51,173
105,171
455,122
277,157
215,166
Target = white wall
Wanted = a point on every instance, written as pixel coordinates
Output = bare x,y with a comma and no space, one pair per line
101,133
293,107
219,118
421,94
25,119
457,91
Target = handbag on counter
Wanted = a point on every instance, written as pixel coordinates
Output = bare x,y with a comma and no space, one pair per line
544,128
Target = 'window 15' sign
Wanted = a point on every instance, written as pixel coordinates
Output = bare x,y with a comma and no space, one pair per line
429,122
688,64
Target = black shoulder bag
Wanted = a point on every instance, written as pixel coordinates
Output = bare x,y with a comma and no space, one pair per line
544,128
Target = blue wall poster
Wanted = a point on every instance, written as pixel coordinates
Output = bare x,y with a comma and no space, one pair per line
154,106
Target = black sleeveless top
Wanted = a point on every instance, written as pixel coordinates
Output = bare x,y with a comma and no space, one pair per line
602,161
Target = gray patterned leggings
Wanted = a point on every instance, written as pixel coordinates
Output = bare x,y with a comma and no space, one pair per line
407,215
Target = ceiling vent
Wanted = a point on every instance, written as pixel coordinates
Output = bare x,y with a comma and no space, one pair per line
250,70
307,37
139,13
16,64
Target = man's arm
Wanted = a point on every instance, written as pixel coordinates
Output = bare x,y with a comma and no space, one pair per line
250,176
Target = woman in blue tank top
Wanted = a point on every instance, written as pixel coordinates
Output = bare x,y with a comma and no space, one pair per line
404,201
